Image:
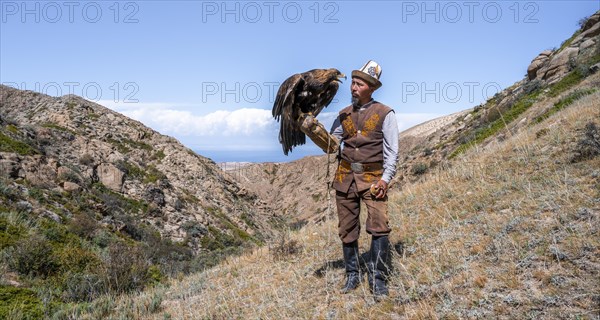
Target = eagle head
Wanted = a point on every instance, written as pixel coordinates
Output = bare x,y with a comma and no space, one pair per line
335,75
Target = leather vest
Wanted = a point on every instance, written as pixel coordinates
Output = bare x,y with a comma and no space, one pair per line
363,143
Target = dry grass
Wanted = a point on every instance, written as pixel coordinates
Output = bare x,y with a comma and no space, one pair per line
509,232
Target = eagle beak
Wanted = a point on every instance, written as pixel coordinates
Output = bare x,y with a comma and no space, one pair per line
341,76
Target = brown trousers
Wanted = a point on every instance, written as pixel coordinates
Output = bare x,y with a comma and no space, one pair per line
348,205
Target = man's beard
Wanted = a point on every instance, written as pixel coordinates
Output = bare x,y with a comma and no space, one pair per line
355,102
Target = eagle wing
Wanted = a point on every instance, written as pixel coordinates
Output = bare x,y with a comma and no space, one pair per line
285,110
325,97
307,92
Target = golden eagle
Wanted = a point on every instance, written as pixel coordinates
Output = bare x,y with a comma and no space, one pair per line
303,93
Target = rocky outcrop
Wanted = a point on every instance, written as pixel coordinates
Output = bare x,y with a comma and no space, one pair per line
550,66
537,63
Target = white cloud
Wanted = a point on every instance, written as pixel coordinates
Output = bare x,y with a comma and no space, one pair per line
175,120
248,130
409,120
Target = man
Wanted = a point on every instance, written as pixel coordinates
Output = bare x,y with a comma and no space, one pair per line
369,133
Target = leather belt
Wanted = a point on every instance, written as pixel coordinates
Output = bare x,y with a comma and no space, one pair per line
357,167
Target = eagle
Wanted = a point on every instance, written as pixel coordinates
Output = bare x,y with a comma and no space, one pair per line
303,93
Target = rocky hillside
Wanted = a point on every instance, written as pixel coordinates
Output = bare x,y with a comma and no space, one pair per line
71,145
92,202
298,193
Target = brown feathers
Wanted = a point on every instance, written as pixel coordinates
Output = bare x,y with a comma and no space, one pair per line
307,92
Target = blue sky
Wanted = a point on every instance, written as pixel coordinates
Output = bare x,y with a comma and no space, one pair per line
206,72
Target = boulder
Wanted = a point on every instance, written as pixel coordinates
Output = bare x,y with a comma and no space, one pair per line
110,176
559,64
71,186
537,63
587,44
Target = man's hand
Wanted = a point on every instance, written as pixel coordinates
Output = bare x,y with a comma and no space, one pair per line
382,188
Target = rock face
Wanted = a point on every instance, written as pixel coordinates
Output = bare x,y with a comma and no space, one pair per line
73,145
550,66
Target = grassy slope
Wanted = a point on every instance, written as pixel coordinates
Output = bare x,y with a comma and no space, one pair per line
508,232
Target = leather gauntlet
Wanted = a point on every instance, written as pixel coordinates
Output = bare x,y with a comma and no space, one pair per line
318,134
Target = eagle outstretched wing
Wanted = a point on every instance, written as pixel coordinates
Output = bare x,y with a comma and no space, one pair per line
302,93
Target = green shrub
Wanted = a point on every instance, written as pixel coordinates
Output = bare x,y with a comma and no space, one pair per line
482,133
83,226
532,86
567,42
588,146
9,233
154,275
126,268
120,146
571,79
130,169
12,129
7,192
419,168
32,256
158,155
193,228
59,128
103,238
73,258
154,175
54,232
7,144
19,300
78,287
138,145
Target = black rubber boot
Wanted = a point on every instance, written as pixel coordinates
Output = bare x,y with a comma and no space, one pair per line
378,266
352,266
